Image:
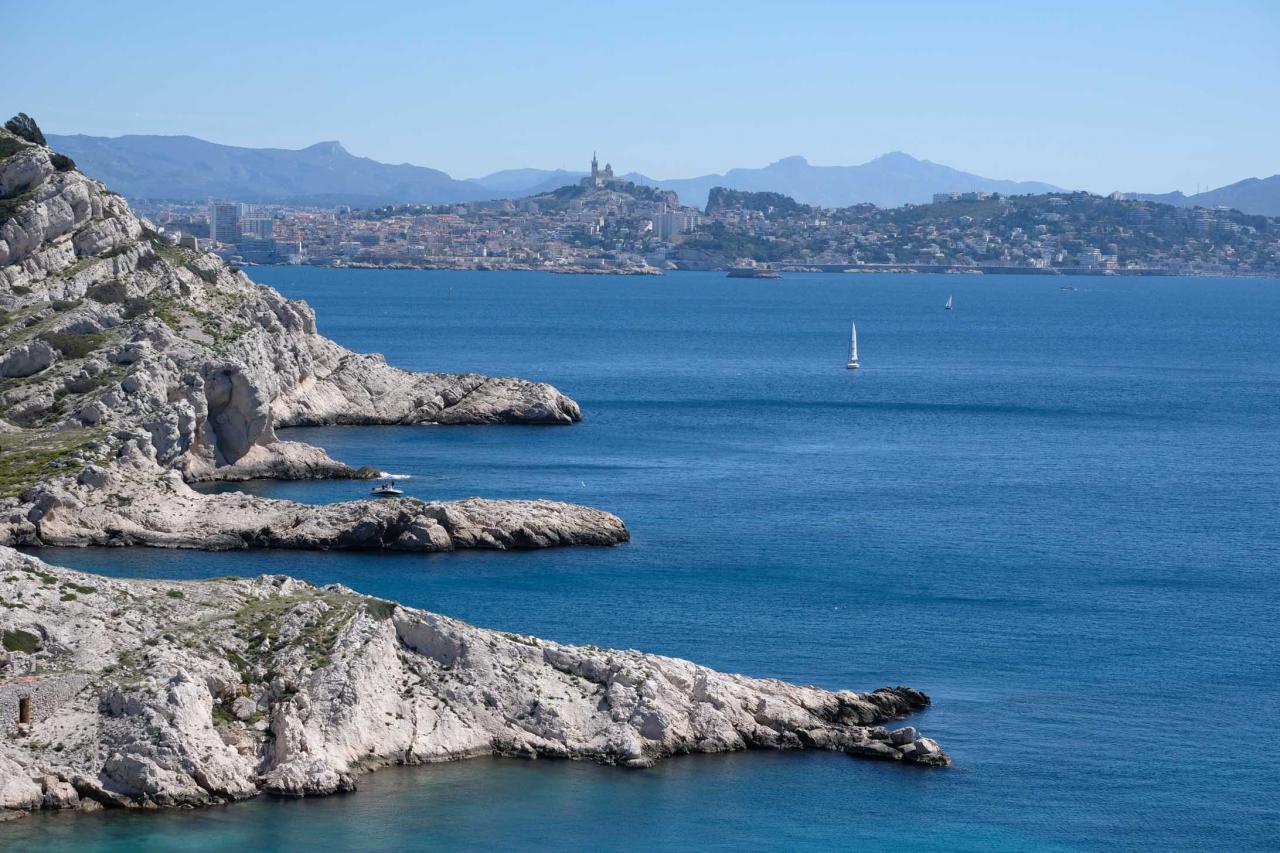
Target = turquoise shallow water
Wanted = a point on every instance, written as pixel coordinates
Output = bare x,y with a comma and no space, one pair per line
1055,511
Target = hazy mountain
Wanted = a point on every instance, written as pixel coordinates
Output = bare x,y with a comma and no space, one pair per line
183,167
1252,195
522,182
890,180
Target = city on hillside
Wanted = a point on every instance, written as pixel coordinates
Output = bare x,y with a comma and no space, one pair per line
604,224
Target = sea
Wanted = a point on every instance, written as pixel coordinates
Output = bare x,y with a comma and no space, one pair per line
1055,509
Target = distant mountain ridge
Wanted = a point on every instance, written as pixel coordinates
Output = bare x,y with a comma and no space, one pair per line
1259,196
184,167
890,180
326,174
528,181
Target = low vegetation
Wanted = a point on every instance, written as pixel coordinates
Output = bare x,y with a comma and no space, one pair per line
17,640
9,206
10,145
74,344
32,455
108,292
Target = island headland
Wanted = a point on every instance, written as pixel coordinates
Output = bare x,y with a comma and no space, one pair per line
131,368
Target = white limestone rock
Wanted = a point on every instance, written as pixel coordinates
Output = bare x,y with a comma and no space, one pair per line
171,673
18,792
27,359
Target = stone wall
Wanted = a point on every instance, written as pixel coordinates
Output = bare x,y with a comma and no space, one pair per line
46,692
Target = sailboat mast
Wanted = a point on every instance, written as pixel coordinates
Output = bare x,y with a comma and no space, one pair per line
853,341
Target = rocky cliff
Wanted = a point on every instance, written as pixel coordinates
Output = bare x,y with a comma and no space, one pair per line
130,367
159,693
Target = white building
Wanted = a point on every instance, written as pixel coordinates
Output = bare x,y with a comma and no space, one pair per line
672,222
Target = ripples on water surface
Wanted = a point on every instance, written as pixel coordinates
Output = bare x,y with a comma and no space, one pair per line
1054,511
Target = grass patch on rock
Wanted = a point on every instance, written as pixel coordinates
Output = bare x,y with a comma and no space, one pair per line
74,344
10,145
29,456
18,640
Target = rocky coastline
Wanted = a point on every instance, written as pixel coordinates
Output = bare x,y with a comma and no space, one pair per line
130,369
157,693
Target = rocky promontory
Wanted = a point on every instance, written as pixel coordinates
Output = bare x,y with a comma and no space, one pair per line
130,693
130,367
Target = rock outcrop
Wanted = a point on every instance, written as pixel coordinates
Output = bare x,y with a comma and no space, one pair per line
156,693
126,504
26,359
121,352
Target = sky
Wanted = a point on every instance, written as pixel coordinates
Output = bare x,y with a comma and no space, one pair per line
1136,95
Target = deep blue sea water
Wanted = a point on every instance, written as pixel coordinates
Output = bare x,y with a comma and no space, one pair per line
1057,512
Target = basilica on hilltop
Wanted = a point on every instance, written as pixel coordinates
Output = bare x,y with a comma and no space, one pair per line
598,177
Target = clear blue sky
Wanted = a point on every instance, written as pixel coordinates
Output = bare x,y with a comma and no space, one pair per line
1130,95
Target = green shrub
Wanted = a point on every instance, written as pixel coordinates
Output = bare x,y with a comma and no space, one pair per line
64,304
379,609
24,126
116,251
9,206
9,145
135,306
62,162
19,640
175,593
109,292
73,344
21,290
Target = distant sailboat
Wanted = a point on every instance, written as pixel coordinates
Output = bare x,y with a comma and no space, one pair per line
948,305
853,347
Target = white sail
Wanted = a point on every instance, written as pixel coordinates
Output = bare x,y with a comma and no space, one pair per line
853,346
948,305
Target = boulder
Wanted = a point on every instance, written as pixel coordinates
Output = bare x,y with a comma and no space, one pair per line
243,708
58,794
927,746
876,749
27,359
17,790
906,734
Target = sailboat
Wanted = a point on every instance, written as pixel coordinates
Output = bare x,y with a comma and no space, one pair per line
948,305
853,347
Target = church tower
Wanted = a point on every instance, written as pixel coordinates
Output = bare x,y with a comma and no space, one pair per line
595,169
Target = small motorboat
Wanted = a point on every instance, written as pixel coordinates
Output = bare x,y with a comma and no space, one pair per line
387,489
